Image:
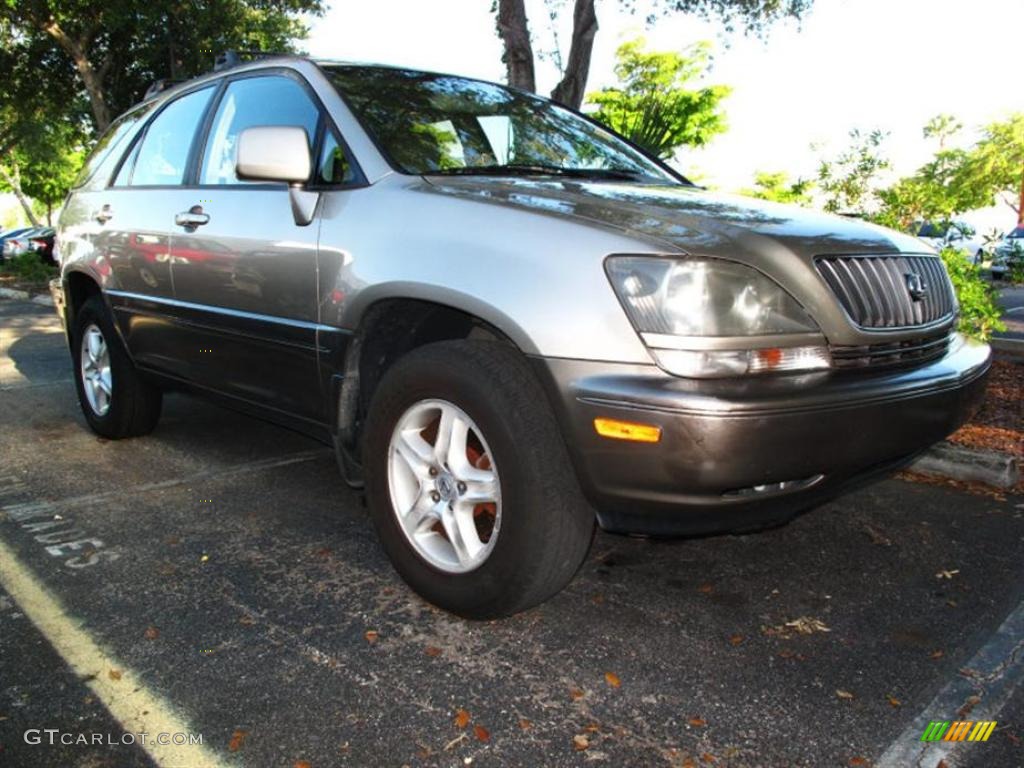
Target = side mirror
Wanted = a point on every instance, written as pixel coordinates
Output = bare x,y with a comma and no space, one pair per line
279,153
273,153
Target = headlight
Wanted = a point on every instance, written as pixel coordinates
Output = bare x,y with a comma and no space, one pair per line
678,305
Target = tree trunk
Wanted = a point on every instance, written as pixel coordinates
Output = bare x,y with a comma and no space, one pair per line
13,178
574,83
1020,201
91,79
514,31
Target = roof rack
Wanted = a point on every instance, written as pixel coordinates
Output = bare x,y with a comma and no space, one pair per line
232,58
159,86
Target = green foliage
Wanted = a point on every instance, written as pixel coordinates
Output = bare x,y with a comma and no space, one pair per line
994,168
979,311
778,188
655,105
28,268
753,15
848,181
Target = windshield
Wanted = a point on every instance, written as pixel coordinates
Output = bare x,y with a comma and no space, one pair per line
440,124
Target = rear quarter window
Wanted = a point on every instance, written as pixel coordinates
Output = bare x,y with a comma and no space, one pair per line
101,163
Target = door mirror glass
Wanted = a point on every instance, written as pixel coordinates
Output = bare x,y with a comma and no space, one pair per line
273,153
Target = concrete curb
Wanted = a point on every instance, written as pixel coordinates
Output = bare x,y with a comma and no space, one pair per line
999,470
42,299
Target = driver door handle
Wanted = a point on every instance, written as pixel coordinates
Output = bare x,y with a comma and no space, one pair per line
192,218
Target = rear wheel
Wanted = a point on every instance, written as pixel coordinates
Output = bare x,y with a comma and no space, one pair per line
469,482
116,401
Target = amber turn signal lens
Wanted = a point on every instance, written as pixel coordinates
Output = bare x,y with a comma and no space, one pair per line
627,430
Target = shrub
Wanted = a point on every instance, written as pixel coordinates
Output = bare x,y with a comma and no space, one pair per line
28,267
979,311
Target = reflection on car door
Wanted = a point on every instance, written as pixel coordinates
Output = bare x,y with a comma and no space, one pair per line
245,275
134,217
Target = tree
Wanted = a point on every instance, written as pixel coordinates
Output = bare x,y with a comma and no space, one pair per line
514,30
848,181
777,188
994,168
114,49
653,107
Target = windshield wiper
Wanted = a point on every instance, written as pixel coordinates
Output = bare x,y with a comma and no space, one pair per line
538,169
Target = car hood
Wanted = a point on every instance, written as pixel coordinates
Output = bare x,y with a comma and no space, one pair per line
687,218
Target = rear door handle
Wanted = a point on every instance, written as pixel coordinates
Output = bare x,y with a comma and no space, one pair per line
104,214
192,218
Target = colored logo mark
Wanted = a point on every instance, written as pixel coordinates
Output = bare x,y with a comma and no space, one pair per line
959,730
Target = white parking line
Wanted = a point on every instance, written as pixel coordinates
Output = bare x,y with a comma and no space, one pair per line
25,510
137,709
992,674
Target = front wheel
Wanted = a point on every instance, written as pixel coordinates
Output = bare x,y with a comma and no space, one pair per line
469,482
116,401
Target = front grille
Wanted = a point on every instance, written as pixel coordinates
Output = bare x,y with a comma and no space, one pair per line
891,354
875,290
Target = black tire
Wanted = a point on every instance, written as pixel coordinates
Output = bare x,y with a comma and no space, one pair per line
546,524
134,406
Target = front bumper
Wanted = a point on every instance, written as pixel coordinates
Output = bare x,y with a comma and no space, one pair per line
722,438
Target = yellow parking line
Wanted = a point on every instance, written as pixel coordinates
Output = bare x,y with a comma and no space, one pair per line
136,709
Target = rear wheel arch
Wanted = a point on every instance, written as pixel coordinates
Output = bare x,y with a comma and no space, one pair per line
79,286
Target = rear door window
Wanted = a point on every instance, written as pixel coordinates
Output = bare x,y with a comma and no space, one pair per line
162,159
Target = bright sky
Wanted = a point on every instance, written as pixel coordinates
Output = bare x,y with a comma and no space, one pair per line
889,64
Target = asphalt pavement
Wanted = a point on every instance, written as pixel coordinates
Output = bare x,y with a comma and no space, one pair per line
218,577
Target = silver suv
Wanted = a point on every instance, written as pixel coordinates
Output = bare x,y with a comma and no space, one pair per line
509,321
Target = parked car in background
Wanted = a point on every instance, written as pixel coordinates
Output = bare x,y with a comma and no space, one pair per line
37,240
509,322
8,235
1009,252
954,234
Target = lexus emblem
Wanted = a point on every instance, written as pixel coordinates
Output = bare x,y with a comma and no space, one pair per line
916,286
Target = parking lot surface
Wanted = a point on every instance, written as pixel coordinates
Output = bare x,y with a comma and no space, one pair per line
218,576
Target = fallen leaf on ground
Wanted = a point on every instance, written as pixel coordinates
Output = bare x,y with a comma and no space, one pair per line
114,674
525,724
461,718
736,639
458,739
433,650
371,636
151,633
843,694
947,574
576,694
937,654
481,733
697,722
807,625
707,757
237,740
612,679
858,761
894,702
971,703
876,536
707,589
302,764
580,742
